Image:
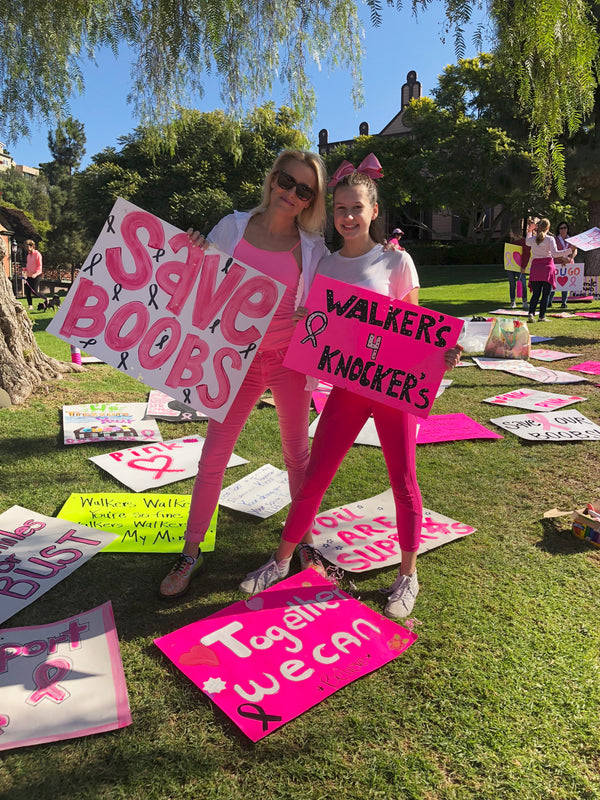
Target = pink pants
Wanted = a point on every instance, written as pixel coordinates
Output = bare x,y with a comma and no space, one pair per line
292,402
344,415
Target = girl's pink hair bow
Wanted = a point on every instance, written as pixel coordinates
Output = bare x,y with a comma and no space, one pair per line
368,166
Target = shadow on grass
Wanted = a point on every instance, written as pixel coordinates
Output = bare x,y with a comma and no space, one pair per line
559,541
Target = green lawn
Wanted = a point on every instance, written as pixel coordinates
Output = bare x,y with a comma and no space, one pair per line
500,696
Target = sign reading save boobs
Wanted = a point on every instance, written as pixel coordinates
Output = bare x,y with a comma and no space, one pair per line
181,319
268,659
385,349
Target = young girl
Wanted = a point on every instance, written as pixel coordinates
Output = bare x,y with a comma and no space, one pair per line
362,262
282,237
542,274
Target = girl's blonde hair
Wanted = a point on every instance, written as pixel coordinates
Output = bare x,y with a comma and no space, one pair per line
543,227
311,218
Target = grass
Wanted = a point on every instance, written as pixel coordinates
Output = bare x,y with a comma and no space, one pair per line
500,696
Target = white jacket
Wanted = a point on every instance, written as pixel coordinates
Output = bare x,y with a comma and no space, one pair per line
229,231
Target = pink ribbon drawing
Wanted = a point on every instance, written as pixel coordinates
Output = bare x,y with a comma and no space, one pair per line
47,677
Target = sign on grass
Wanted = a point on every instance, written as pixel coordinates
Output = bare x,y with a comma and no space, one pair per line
558,426
108,422
61,681
262,493
551,355
161,406
380,348
363,536
36,552
268,659
534,400
589,367
143,523
182,320
155,465
452,428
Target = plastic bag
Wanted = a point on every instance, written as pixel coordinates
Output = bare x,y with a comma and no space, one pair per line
509,338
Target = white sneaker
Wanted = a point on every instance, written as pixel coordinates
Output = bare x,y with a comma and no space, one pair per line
402,599
265,576
513,304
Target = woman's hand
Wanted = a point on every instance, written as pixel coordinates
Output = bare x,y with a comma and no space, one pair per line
197,239
300,313
452,356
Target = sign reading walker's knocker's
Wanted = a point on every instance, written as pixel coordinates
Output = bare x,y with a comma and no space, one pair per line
183,320
373,345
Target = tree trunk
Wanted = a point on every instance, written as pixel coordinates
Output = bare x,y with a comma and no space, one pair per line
23,366
592,257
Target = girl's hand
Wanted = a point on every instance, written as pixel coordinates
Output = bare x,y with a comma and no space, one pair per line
197,239
300,313
452,356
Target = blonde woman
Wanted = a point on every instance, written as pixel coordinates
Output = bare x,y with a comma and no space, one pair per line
283,238
542,274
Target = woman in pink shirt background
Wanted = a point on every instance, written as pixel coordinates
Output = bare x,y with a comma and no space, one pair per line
33,270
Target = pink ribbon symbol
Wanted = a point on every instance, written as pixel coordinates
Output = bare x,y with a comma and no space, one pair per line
46,677
4,723
548,424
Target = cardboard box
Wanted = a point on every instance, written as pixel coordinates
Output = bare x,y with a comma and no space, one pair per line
586,526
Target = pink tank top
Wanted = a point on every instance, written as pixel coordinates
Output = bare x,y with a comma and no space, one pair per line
284,268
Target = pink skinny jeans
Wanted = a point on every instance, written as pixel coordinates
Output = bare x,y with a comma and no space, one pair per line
292,403
344,415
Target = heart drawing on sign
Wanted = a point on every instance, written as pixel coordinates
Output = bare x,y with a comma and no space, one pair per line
148,464
561,280
198,655
517,258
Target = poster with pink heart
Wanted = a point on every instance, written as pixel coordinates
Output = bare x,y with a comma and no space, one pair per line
183,320
36,552
91,423
389,351
570,277
154,465
62,680
268,659
513,258
362,536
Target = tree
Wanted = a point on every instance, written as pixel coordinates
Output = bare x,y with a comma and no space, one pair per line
67,242
207,165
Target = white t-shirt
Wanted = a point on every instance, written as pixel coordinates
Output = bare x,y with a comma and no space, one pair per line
389,272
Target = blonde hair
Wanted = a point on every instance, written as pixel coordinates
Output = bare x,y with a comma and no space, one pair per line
29,242
311,218
543,227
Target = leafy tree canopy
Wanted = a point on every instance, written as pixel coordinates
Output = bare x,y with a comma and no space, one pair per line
195,175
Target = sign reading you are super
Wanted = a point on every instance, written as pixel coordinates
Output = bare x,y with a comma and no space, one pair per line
183,320
385,349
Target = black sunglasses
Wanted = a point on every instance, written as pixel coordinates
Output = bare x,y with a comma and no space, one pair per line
285,181
563,228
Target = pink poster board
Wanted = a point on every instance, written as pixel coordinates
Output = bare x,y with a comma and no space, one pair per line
362,536
589,367
588,314
182,320
61,681
36,552
384,349
451,428
268,659
551,355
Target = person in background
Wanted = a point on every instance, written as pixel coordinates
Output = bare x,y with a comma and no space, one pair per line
363,262
542,275
394,239
282,238
562,234
33,270
515,277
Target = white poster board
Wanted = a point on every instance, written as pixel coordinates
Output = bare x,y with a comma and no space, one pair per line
534,400
108,422
182,320
558,426
262,493
62,681
155,465
36,552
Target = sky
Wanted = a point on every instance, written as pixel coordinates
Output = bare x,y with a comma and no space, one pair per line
401,44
